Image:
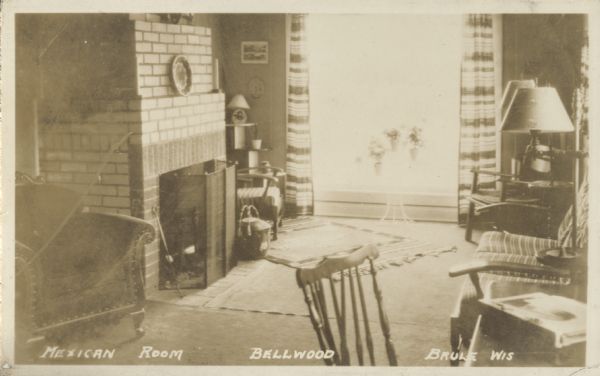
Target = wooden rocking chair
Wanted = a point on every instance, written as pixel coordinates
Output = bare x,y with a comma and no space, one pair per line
310,280
515,260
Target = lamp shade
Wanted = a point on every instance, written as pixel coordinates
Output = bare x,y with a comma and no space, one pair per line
510,91
238,101
537,109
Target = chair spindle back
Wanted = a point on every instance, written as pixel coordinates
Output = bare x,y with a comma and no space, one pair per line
312,281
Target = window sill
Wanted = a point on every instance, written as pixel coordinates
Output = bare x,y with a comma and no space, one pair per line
372,204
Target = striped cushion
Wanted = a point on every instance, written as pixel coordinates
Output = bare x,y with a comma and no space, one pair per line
253,196
513,245
520,249
505,247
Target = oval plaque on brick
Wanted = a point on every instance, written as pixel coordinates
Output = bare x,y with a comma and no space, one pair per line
181,75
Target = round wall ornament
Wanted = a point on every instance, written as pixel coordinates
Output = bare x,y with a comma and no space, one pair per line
256,86
181,75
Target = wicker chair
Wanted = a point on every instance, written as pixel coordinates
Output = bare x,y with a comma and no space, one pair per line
74,269
263,187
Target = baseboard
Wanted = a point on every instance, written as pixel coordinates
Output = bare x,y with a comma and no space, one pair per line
417,206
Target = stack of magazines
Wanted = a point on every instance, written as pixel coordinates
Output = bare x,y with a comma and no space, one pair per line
553,319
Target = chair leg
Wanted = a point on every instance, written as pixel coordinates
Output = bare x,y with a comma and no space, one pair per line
455,342
469,224
138,318
275,217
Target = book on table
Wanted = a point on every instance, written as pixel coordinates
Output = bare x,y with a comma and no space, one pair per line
554,319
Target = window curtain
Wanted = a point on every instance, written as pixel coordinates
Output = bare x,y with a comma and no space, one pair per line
477,145
299,187
581,97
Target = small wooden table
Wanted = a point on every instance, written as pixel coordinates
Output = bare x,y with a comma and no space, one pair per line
492,351
487,351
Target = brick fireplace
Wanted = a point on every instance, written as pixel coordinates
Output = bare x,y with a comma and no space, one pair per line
166,131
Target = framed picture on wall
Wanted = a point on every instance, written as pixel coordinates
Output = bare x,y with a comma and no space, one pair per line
255,52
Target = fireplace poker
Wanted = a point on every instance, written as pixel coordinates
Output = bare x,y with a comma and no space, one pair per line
168,257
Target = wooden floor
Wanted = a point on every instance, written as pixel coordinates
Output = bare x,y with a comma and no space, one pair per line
421,294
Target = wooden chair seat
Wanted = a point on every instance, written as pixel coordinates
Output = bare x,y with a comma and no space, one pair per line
493,196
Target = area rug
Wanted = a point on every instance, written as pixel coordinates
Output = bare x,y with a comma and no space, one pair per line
304,242
274,289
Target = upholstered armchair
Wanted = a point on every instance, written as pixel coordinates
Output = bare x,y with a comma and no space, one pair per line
263,187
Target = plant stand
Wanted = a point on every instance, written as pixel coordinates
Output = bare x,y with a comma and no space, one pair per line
391,205
394,201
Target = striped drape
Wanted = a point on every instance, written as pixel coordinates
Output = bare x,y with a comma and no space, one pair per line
581,97
299,189
477,107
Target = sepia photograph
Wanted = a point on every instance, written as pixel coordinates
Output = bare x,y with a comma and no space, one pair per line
299,188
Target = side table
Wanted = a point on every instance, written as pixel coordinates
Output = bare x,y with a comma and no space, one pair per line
239,148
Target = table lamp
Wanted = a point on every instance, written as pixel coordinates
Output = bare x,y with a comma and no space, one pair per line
536,111
539,111
510,91
239,106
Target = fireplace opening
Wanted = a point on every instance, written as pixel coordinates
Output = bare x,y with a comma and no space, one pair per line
197,216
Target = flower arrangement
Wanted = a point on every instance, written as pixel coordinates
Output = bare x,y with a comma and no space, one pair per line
415,137
393,136
376,150
392,133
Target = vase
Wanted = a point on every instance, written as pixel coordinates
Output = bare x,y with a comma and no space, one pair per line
414,152
256,144
394,144
377,168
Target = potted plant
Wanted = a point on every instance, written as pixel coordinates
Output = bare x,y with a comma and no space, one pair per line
376,151
393,136
415,139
